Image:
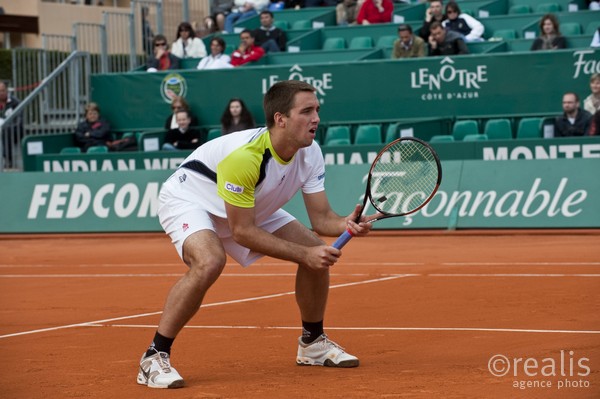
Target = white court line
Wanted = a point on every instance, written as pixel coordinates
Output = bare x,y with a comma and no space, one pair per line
520,263
268,264
251,299
512,330
510,275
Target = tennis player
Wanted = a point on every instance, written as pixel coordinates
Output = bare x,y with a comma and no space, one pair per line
226,198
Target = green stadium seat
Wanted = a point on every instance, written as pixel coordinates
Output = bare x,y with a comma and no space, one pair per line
386,41
570,29
505,34
230,48
361,42
70,150
213,134
475,137
530,128
546,8
338,142
391,133
498,129
462,128
592,28
97,149
441,138
334,43
302,24
368,134
519,9
337,133
283,25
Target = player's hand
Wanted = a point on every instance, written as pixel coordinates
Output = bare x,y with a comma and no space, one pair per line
322,257
363,226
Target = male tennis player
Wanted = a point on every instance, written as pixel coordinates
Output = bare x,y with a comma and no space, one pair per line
226,198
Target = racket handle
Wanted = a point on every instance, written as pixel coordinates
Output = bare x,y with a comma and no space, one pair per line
342,240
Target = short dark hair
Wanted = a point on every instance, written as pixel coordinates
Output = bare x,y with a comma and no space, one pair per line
280,98
248,31
267,12
435,25
219,41
405,27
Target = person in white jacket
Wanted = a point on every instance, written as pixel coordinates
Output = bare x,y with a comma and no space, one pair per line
187,44
462,23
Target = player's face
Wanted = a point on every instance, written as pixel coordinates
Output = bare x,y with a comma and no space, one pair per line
303,118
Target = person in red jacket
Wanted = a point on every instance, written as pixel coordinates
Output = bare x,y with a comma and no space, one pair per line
247,51
375,12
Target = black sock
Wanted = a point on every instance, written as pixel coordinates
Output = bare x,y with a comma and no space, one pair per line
160,344
311,331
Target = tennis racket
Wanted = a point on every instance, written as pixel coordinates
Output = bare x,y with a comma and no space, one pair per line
403,178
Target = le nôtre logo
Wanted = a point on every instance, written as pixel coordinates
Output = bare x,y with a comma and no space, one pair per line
436,82
321,83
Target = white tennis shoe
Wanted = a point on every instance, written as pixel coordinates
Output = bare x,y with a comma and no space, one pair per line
324,352
156,372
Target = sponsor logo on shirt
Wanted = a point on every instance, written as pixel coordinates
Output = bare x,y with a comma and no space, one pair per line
234,188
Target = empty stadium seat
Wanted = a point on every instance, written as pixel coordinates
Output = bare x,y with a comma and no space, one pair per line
302,24
592,28
338,142
570,29
97,149
283,25
475,137
462,128
498,129
441,138
386,41
337,133
334,43
361,42
530,128
70,150
547,8
391,133
505,34
519,9
213,134
368,134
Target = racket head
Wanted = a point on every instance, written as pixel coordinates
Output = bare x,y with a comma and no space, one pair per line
404,177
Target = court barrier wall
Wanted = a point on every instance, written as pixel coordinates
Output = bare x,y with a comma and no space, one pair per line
560,193
42,153
433,87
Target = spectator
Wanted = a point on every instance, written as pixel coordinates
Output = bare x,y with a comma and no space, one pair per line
147,33
595,124
245,9
162,59
236,117
435,12
268,36
408,45
346,12
177,104
276,5
183,137
208,27
217,58
375,12
94,130
11,131
596,39
574,121
550,37
592,102
247,51
442,42
466,25
187,45
219,10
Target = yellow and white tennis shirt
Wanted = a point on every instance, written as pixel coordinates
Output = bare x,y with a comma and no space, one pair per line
243,169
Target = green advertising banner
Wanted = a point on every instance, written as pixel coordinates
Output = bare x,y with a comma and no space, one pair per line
474,194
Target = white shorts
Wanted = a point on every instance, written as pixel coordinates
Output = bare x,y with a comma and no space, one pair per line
181,218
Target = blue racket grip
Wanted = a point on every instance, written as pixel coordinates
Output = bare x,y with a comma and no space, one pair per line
342,240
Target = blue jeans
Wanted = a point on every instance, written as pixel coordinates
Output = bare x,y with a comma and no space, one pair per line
237,16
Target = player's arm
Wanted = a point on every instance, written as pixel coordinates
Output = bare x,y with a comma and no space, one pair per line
246,233
326,222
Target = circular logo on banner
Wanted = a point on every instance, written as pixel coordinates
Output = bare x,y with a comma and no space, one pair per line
173,85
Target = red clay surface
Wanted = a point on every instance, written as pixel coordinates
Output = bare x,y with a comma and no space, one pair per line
427,314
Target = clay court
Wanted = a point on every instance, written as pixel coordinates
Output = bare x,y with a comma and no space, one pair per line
430,315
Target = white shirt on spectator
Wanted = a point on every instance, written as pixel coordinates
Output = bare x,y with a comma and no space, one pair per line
215,62
194,48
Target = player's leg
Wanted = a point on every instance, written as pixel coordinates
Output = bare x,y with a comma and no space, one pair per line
312,288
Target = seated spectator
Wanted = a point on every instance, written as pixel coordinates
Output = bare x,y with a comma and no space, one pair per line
184,137
596,39
408,45
550,37
247,51
244,9
219,9
375,12
177,104
442,42
236,117
187,44
435,12
94,130
217,59
162,59
269,37
10,131
592,102
595,124
346,12
574,121
466,25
